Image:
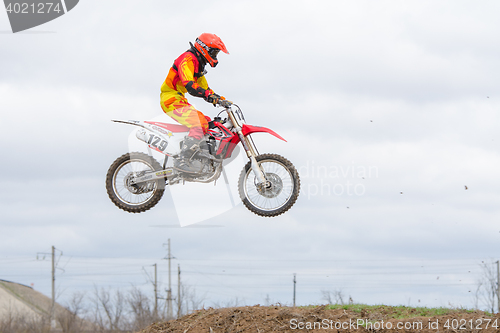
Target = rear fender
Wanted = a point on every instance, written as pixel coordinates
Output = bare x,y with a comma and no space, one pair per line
130,122
158,136
249,129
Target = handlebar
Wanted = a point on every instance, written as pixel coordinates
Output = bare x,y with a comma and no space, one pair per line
225,103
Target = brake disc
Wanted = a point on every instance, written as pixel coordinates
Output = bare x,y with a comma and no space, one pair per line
137,188
273,186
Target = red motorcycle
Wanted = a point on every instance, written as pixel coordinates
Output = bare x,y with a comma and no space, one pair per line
268,184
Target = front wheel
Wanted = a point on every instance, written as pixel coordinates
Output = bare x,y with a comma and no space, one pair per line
127,195
278,194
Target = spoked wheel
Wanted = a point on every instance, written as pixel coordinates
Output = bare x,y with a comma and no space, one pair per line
134,198
278,194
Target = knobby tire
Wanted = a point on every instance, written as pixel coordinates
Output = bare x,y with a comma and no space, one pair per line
290,201
111,186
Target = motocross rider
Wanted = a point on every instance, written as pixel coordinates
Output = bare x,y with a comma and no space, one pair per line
187,75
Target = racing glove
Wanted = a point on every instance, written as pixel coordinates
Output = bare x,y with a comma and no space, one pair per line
214,98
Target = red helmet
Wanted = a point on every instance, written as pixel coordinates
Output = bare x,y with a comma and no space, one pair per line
209,46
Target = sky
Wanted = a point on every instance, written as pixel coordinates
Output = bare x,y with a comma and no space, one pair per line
389,109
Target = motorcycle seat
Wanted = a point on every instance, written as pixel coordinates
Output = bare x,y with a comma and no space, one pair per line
175,128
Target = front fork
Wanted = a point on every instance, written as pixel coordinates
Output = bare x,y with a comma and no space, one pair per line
251,153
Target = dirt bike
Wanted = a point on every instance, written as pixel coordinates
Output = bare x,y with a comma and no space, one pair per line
268,184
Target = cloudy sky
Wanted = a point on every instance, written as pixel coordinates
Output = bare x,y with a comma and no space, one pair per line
390,110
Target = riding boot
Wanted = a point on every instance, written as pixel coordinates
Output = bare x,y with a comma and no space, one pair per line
189,148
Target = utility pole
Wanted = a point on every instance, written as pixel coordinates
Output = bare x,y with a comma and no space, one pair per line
52,307
179,299
52,318
294,284
169,295
498,286
156,293
169,291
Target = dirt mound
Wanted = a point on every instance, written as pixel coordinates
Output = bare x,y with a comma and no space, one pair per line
346,319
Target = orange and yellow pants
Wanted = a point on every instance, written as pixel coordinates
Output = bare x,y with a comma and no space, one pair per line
176,106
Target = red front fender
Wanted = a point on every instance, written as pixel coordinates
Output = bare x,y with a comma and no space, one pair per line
249,129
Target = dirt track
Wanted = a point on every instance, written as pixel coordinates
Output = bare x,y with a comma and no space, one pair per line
320,319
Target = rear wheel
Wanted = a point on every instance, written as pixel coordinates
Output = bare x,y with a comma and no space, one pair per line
278,194
134,198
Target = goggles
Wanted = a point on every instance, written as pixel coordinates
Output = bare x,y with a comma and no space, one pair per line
213,53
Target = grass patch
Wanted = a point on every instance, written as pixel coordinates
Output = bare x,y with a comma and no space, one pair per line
400,312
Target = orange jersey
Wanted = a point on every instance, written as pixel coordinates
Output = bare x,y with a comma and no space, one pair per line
187,75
